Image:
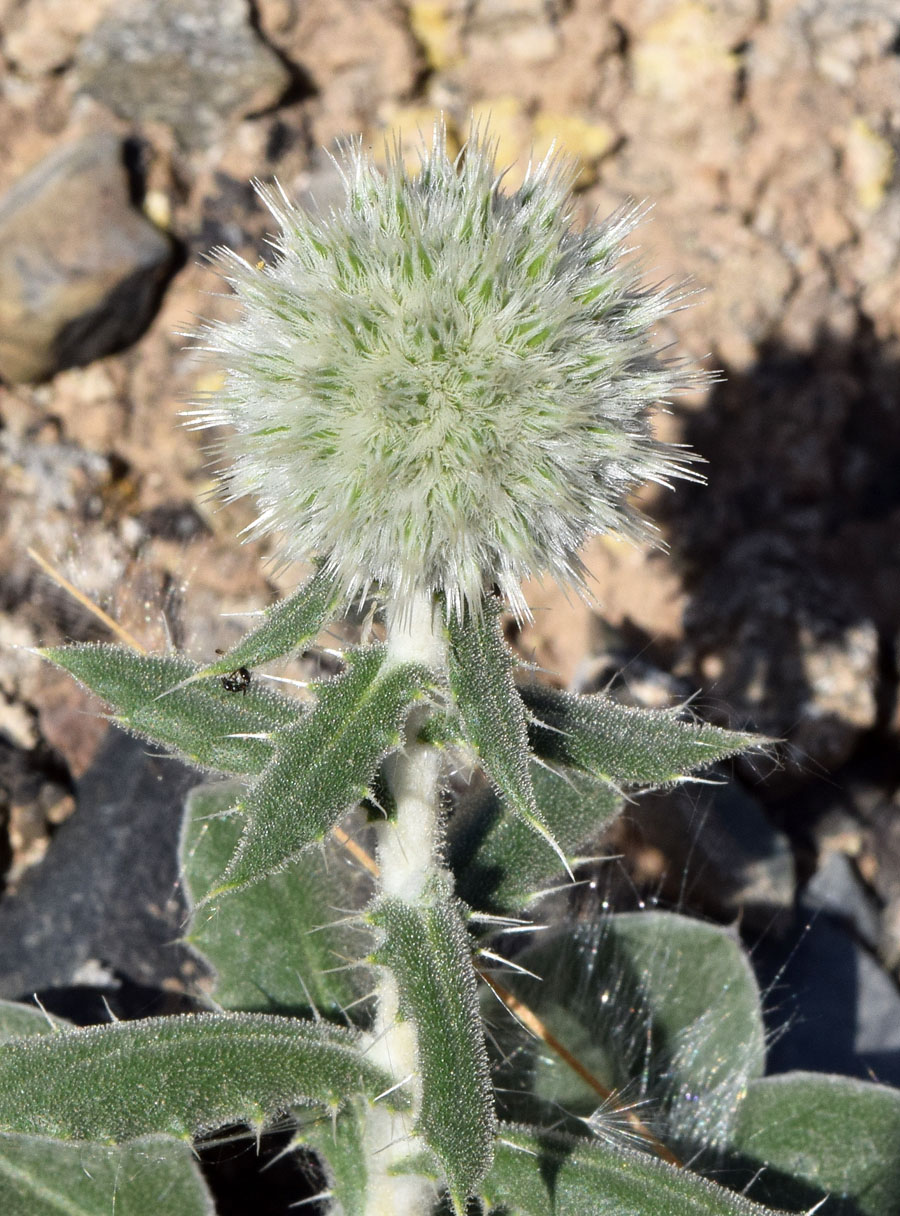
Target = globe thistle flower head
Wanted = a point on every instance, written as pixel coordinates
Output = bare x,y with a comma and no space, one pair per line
439,386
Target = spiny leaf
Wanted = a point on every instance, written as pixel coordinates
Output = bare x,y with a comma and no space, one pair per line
544,1174
198,721
289,626
442,729
701,1005
153,1177
654,1005
324,764
500,863
492,711
176,1075
816,1135
340,1143
272,945
623,745
18,1021
427,950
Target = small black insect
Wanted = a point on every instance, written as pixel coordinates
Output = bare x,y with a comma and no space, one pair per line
237,680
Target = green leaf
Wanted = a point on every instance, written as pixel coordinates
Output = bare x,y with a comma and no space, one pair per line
324,764
538,1174
200,722
176,1075
267,942
499,862
820,1135
289,626
702,1001
427,950
18,1020
660,1008
623,745
340,1144
492,712
153,1177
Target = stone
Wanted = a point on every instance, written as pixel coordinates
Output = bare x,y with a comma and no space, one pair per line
192,64
722,854
841,35
831,1007
868,164
81,269
684,59
835,888
41,36
522,30
88,899
792,657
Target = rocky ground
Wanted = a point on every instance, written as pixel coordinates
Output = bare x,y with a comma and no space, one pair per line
766,136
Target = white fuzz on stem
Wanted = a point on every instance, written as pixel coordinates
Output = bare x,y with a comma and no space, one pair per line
407,858
389,1136
407,843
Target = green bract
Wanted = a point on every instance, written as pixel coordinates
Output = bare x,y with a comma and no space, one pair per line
440,382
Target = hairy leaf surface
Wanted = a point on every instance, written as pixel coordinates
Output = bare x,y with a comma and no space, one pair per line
288,627
153,1177
18,1020
620,744
500,863
538,1174
340,1143
325,764
176,1075
428,952
821,1135
199,721
492,712
279,945
660,1008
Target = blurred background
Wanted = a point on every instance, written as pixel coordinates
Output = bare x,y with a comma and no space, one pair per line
765,135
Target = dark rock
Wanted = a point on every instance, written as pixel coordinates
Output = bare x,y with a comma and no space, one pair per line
226,214
626,677
781,645
836,889
188,63
106,896
722,855
81,269
830,1005
178,521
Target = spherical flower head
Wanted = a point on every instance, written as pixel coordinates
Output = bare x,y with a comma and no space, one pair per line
440,387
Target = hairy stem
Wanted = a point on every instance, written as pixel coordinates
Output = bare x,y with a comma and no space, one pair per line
408,863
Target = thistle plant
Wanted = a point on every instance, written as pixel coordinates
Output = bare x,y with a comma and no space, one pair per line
433,392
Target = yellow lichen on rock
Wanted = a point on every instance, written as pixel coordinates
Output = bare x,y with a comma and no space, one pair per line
508,125
432,23
410,124
585,140
681,53
868,164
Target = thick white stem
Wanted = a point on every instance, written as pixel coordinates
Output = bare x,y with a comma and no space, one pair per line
408,862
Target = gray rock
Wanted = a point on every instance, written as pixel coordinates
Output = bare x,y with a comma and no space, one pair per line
836,889
191,64
843,34
830,1006
781,645
722,853
108,889
81,269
